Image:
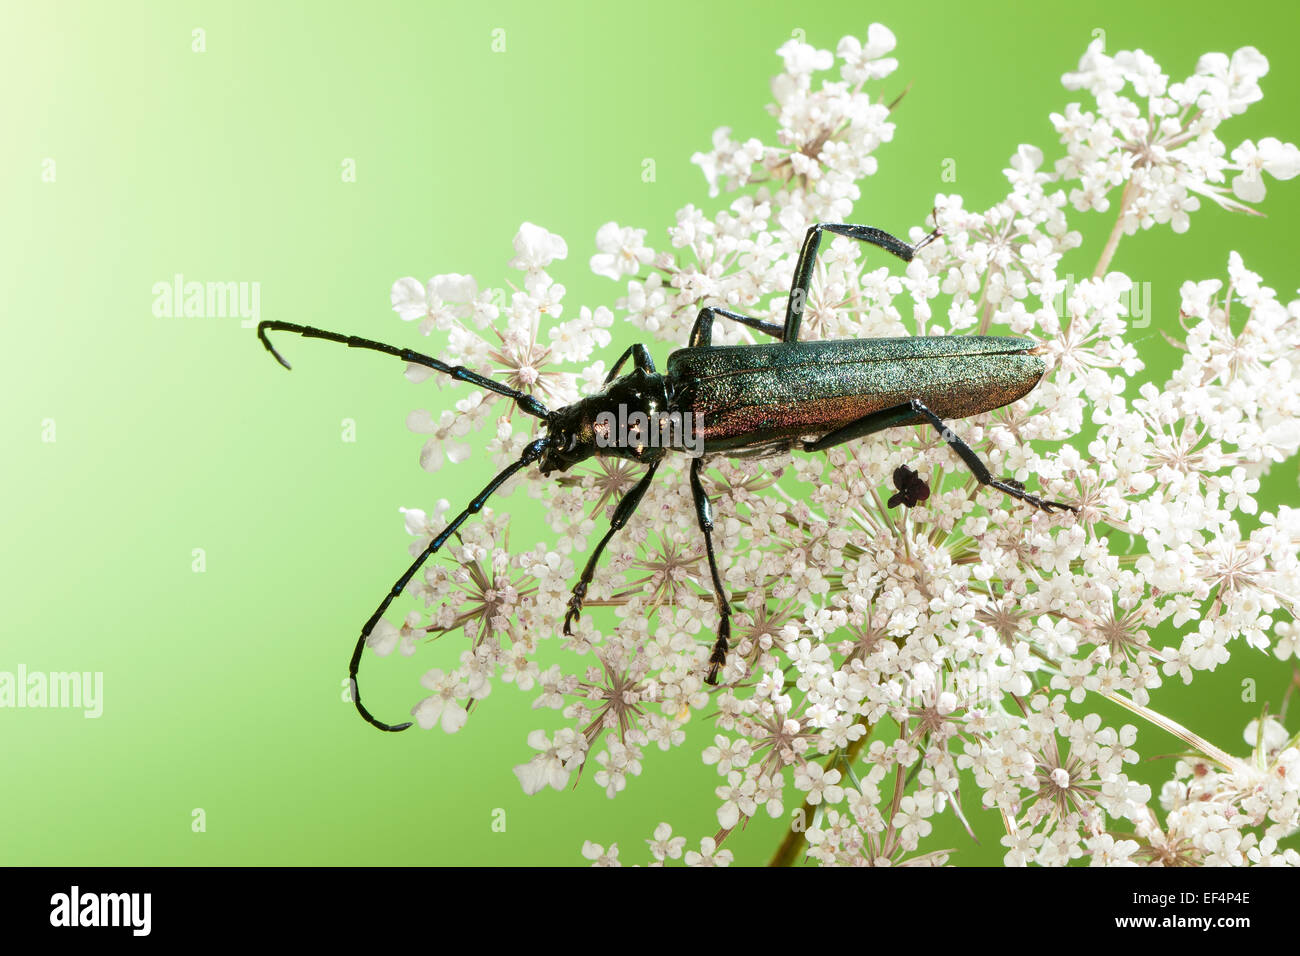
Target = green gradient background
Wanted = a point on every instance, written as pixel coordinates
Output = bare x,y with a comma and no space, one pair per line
223,689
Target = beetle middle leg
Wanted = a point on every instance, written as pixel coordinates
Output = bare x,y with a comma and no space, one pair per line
704,513
916,412
702,331
622,514
803,270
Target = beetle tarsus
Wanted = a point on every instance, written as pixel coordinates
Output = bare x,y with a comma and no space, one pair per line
1016,489
979,469
702,332
935,233
575,607
718,659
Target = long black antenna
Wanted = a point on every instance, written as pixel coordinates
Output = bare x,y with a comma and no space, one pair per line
459,372
531,453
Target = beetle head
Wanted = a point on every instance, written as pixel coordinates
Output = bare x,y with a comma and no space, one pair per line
571,438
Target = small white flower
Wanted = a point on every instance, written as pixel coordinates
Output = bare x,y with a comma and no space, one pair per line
536,248
442,707
599,855
553,765
709,855
622,251
665,845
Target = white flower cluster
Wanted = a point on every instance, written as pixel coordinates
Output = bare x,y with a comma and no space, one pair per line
1162,152
882,657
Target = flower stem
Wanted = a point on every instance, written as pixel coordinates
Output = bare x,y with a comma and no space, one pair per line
1224,759
1116,231
788,852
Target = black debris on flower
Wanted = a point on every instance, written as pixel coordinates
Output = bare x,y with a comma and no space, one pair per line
912,488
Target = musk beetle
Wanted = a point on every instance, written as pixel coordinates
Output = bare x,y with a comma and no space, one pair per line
750,401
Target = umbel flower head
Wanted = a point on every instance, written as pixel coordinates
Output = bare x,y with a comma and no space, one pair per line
885,659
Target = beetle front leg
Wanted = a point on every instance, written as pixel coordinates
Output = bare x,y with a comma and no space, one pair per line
704,514
622,514
641,359
916,412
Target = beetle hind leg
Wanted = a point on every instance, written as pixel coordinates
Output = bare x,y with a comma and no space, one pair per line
917,412
1016,489
967,454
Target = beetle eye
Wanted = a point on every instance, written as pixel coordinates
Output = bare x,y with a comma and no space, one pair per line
573,443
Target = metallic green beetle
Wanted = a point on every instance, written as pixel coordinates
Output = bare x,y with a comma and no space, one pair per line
746,401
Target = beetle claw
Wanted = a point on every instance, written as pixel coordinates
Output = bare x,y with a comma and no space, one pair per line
934,233
718,659
575,608
1046,506
716,662
1016,489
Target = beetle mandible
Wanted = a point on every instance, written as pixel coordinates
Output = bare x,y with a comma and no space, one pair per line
752,401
